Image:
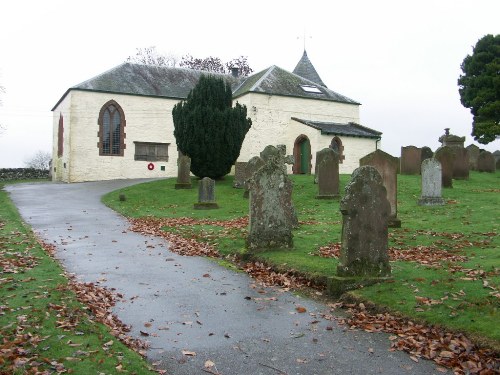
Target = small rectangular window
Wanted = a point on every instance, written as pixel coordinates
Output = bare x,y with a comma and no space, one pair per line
311,89
151,151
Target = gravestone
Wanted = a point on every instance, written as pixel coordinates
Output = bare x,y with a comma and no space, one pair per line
473,156
239,174
327,162
496,154
426,153
411,158
386,166
253,165
271,209
365,213
460,158
183,172
460,163
486,162
206,195
431,183
445,155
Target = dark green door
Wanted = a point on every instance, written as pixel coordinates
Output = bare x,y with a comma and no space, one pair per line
305,156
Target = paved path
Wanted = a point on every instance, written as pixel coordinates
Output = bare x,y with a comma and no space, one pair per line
192,303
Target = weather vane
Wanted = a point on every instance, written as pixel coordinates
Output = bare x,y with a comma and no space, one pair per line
304,37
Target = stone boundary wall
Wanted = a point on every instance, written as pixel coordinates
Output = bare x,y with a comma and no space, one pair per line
23,174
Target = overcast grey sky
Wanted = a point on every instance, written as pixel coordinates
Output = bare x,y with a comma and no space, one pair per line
400,59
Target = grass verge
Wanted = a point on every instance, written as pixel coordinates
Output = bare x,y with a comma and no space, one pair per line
43,326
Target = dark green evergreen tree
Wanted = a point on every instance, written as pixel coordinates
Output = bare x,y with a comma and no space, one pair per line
479,88
208,129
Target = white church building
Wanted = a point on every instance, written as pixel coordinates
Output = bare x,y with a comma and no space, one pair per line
119,125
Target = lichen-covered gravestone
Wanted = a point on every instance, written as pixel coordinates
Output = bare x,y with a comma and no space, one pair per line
253,165
271,209
183,172
239,174
473,151
327,162
206,195
486,162
365,211
387,166
431,183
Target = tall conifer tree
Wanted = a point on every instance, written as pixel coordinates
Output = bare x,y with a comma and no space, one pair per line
208,129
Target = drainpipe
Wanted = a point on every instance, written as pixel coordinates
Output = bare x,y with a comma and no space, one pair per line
376,143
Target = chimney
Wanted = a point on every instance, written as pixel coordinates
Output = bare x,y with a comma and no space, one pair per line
235,72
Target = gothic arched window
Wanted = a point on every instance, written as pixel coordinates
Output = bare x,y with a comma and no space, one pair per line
111,129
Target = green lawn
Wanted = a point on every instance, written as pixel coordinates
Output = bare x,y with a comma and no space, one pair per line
43,327
457,293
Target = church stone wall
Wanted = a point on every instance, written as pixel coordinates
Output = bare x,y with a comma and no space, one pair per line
147,120
59,166
272,124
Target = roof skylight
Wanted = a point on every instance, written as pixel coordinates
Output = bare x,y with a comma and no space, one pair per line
311,89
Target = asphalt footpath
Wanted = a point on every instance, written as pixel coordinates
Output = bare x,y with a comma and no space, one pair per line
192,310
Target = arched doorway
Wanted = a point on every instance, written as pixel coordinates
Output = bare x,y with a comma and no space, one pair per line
302,155
336,145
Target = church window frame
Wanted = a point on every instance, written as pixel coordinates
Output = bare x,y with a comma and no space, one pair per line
111,133
60,136
151,151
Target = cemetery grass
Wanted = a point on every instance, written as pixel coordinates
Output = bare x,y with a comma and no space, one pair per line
459,289
42,325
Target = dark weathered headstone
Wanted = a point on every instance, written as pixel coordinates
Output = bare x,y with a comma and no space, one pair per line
206,195
271,208
327,161
365,213
183,172
445,156
386,166
253,165
460,163
431,183
426,153
486,162
496,154
239,174
411,158
473,156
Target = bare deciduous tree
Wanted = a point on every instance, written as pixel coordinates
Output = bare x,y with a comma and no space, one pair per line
150,56
41,160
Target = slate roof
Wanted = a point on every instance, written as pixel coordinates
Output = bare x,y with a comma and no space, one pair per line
176,83
277,81
306,69
350,129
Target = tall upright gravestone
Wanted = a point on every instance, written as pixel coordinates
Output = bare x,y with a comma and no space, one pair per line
486,162
411,157
271,210
183,172
445,156
473,151
206,195
431,183
327,162
386,166
364,257
239,174
253,165
460,160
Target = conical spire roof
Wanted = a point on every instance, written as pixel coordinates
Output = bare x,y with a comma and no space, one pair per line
306,70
